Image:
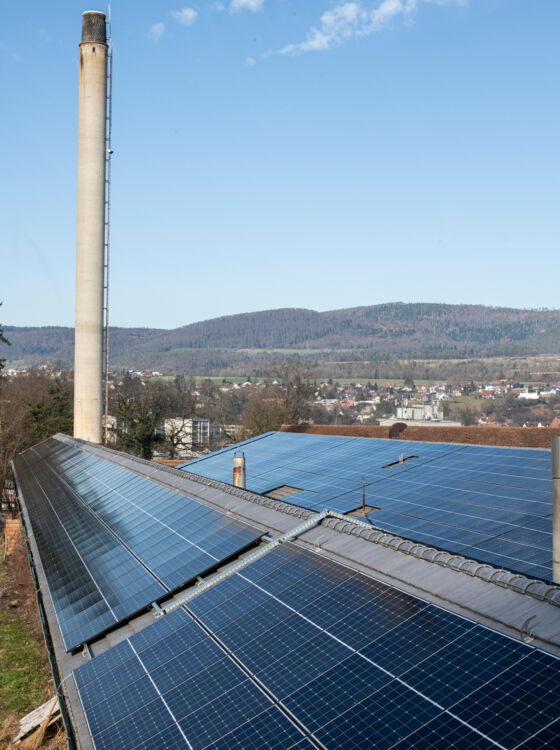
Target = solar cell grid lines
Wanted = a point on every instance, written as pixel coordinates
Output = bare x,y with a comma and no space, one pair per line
251,664
500,705
547,737
488,503
111,541
73,545
444,732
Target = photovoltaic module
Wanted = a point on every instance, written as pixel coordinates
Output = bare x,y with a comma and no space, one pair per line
112,541
487,503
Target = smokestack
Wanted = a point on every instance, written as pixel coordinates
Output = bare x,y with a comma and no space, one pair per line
555,509
90,239
239,470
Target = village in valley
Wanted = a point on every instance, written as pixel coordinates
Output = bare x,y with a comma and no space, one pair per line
204,413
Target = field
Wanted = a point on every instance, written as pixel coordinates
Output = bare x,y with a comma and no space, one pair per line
526,370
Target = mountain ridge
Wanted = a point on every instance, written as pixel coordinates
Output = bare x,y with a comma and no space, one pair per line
387,330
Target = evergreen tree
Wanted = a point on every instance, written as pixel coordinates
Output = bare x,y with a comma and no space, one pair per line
53,412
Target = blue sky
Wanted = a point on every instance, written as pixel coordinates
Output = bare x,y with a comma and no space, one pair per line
289,153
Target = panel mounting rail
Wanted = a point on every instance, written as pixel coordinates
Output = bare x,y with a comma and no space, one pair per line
254,556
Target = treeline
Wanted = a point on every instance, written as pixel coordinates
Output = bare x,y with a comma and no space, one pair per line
36,406
32,408
386,331
139,409
55,344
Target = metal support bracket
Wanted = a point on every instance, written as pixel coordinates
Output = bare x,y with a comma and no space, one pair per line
253,557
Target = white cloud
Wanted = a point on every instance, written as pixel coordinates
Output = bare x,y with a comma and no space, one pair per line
253,5
355,19
186,16
156,31
250,61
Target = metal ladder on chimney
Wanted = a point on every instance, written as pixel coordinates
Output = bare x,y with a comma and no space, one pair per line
108,154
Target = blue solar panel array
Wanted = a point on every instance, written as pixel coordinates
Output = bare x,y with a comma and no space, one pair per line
492,504
296,651
111,542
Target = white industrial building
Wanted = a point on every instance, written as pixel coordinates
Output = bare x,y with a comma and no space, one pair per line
420,412
192,434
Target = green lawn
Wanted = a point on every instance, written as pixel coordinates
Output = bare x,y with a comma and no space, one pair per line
24,681
22,676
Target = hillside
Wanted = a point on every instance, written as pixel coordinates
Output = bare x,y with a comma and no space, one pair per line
378,331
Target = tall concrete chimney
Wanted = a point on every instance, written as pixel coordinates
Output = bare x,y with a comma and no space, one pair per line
90,239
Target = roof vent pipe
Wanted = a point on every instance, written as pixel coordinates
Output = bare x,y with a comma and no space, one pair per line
239,470
555,446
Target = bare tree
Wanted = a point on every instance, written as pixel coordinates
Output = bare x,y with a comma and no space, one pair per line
286,402
176,436
139,410
32,407
295,377
224,409
265,412
3,340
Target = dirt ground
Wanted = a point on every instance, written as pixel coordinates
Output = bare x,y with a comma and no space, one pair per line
25,676
17,585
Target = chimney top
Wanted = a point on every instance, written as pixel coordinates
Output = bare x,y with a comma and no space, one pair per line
93,27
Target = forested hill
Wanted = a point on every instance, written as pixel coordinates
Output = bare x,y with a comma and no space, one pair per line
394,329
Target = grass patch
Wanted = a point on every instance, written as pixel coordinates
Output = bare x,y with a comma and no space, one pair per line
22,675
25,676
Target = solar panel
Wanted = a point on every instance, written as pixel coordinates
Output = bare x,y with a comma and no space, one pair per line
111,541
174,536
267,659
547,737
381,719
492,504
93,580
442,733
464,665
270,730
501,707
196,689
